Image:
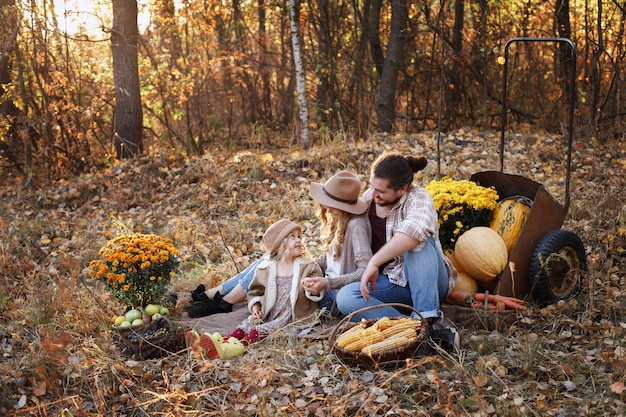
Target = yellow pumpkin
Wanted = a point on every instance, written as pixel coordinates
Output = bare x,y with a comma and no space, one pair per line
466,284
481,252
449,253
509,218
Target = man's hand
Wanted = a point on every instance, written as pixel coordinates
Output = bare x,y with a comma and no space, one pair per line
370,275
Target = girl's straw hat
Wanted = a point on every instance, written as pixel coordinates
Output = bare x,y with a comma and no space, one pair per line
275,234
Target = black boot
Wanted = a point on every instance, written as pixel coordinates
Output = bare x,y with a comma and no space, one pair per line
199,294
203,309
206,308
224,306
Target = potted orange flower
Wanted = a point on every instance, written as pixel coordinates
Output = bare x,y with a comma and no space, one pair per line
136,269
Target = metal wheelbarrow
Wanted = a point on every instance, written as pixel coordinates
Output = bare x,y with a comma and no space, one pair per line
548,262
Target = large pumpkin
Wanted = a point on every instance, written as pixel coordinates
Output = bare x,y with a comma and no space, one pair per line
449,253
466,284
481,252
509,218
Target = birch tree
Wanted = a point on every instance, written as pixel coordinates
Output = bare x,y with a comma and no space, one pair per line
300,76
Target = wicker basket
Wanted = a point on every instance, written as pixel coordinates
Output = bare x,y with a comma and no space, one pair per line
389,357
484,319
123,334
162,338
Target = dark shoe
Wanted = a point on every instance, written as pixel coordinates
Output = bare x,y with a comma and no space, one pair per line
224,305
448,339
199,294
442,333
209,307
171,298
203,309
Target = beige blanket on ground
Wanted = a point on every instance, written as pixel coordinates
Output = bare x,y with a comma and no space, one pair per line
223,323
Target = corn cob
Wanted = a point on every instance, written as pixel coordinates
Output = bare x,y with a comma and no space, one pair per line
383,323
347,336
401,339
401,325
366,337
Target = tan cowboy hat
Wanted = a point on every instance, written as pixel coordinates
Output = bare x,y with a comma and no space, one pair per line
278,231
341,191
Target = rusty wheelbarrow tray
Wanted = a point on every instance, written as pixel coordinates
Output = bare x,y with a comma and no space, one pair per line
548,263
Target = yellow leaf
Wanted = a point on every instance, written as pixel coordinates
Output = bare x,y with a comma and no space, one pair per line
267,157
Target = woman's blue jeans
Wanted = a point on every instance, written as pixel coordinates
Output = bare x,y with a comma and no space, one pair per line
244,278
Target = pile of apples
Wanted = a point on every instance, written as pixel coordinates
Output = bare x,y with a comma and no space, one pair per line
136,316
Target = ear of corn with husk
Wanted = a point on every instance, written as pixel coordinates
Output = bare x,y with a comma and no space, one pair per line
384,334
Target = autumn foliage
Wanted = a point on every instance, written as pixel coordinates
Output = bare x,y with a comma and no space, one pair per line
59,354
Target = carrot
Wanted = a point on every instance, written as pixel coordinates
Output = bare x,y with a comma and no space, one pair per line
460,298
481,306
509,302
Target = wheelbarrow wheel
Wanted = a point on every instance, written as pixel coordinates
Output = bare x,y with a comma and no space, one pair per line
556,267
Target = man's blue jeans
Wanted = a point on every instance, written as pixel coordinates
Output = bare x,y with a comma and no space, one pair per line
427,287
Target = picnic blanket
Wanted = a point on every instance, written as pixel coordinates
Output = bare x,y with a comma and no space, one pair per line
225,323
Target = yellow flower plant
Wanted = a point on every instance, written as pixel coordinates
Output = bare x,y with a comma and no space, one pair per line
461,205
136,269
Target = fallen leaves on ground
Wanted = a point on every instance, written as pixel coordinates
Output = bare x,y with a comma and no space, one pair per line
59,355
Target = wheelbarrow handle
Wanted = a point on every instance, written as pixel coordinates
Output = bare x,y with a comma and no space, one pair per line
564,41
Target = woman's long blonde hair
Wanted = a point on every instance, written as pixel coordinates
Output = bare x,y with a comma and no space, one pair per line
333,229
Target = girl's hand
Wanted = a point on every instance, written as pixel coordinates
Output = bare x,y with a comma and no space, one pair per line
256,311
314,285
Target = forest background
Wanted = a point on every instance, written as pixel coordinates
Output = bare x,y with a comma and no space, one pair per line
221,143
211,73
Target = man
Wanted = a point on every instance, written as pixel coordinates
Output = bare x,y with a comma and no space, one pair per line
408,265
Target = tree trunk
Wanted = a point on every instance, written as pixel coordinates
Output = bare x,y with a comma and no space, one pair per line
374,36
300,76
8,34
128,111
453,87
594,79
264,67
564,54
385,103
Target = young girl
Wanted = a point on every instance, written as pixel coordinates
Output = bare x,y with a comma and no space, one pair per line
346,234
276,296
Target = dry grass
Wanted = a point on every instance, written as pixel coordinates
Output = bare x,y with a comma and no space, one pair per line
58,352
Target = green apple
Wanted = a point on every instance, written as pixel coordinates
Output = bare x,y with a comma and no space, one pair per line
133,314
156,316
119,320
126,323
137,322
164,311
152,309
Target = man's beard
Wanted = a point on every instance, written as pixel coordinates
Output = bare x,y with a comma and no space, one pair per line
385,203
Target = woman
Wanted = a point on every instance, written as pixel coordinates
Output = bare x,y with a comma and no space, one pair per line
346,235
